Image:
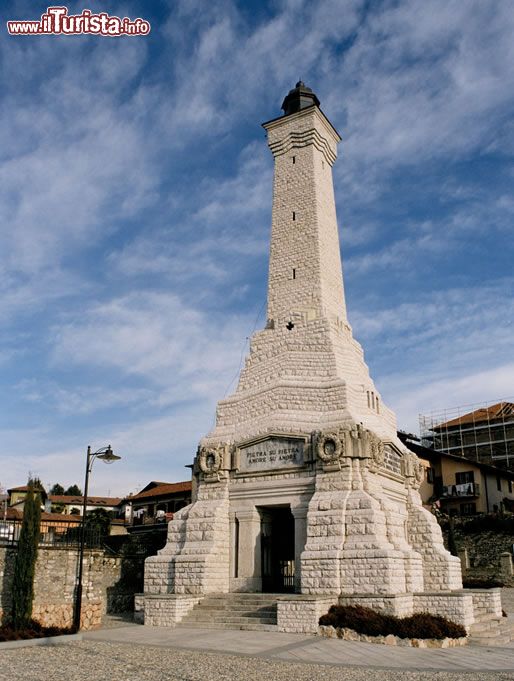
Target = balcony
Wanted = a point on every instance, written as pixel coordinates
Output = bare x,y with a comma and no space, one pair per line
467,489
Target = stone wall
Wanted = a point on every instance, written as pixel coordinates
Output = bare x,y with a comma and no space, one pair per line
487,603
54,585
164,610
484,551
301,616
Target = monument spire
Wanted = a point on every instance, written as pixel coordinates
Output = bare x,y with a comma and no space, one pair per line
305,371
305,274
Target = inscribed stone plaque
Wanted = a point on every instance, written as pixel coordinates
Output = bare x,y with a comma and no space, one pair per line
392,460
276,452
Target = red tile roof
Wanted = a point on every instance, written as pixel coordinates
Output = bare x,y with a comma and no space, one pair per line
163,489
91,501
25,488
494,413
62,518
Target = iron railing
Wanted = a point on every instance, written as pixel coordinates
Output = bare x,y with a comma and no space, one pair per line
52,534
466,489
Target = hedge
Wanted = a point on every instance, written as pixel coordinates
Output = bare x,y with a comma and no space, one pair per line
367,621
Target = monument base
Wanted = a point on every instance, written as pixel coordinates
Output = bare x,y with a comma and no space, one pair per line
163,610
300,613
465,607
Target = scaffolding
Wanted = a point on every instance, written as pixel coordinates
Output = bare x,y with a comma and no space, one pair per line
480,432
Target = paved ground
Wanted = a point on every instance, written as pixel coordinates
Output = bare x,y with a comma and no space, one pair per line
128,652
136,653
93,660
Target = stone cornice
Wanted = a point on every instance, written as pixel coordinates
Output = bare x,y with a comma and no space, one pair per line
276,122
303,139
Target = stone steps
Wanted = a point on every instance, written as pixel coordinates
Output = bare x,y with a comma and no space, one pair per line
199,618
492,632
250,612
224,625
227,616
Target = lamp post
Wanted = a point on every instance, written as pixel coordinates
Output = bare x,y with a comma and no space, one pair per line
106,455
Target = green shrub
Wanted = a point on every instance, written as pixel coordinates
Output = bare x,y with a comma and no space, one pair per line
372,623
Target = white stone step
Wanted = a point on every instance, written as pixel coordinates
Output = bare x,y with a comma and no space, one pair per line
240,607
492,632
250,612
224,625
227,619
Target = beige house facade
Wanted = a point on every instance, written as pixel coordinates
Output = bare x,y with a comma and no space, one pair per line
461,486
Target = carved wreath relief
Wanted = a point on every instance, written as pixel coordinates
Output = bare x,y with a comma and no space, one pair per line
353,442
210,461
330,448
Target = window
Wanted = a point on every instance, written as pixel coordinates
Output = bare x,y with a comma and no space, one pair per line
373,400
464,477
468,509
498,483
294,160
510,486
294,273
430,476
294,216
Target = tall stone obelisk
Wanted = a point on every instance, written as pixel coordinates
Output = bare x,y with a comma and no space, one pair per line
305,371
305,449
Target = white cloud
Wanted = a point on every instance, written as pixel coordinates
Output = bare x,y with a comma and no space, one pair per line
157,448
450,348
210,234
81,399
91,138
158,337
421,394
426,79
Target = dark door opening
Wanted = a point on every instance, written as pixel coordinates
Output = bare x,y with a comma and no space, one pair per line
277,550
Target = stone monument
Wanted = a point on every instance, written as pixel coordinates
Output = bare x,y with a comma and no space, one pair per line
303,485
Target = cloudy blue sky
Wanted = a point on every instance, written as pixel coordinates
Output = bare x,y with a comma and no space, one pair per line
135,201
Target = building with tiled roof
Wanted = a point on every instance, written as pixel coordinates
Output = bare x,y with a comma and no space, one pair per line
18,494
157,502
72,504
460,486
484,434
65,504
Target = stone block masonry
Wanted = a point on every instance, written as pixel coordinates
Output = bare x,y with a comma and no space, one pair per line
54,585
165,610
342,518
196,556
301,616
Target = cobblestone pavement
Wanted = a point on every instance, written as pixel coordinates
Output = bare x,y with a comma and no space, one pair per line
92,660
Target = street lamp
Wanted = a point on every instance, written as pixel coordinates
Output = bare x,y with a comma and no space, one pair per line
106,455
